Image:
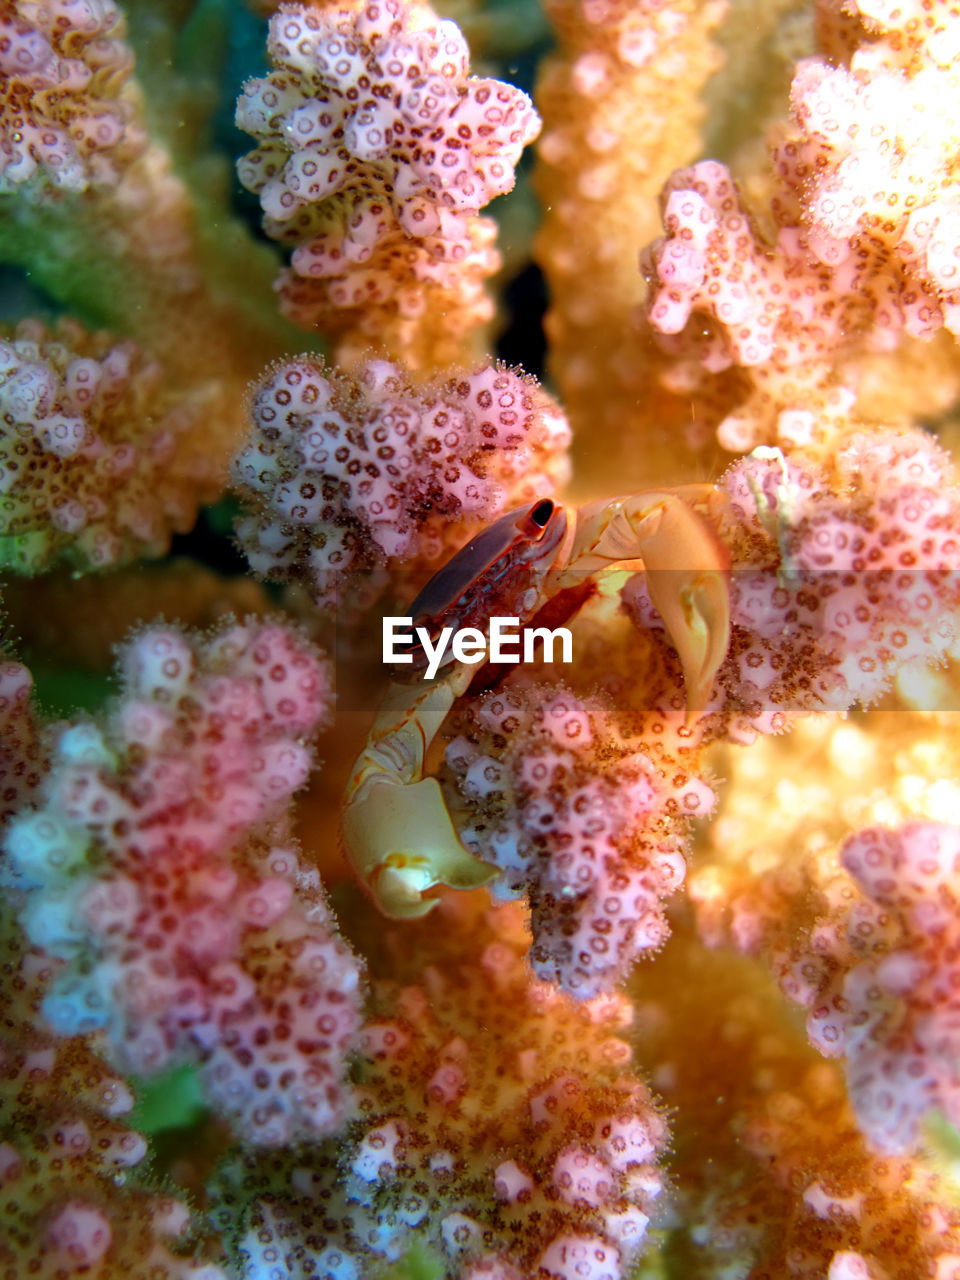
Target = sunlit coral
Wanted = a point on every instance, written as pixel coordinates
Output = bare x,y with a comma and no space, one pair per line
731,837
863,199
777,1179
840,577
620,99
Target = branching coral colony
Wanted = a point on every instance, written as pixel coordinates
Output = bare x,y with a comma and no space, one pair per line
650,1045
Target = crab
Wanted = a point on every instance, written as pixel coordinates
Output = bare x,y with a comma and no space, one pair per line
397,832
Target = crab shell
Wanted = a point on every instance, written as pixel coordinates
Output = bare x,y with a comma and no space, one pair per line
499,573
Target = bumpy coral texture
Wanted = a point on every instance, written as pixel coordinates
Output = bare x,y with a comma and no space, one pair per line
772,1175
621,101
581,816
355,474
864,199
68,117
876,972
377,151
158,868
72,1201
841,577
499,1126
91,451
23,759
72,1198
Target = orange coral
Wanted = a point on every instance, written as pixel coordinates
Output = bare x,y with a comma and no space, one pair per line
499,1124
97,464
863,198
69,117
619,98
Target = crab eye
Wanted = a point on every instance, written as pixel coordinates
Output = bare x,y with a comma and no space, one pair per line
541,513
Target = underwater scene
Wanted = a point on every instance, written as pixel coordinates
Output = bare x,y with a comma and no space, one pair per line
479,695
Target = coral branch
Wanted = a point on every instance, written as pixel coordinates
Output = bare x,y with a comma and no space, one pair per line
377,152
97,463
620,97
864,202
358,473
500,1126
69,114
581,816
158,868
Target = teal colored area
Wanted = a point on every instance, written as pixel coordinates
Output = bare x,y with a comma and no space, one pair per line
171,1100
222,516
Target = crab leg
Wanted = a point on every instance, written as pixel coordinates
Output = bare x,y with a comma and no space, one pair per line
397,832
687,570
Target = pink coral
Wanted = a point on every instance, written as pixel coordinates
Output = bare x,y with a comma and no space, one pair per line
499,1125
878,975
67,116
158,867
580,816
357,473
75,1198
864,201
869,949
377,152
839,579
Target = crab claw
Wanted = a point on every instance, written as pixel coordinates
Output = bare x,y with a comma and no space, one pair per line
695,608
687,568
401,841
688,577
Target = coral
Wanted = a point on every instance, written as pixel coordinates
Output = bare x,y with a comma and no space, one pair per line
354,473
621,106
582,817
68,116
584,803
862,199
868,951
73,1194
839,578
72,1198
772,1175
740,895
96,464
852,917
883,998
158,868
499,1125
377,151
23,759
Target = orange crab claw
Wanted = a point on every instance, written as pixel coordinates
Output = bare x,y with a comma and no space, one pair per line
687,566
401,842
